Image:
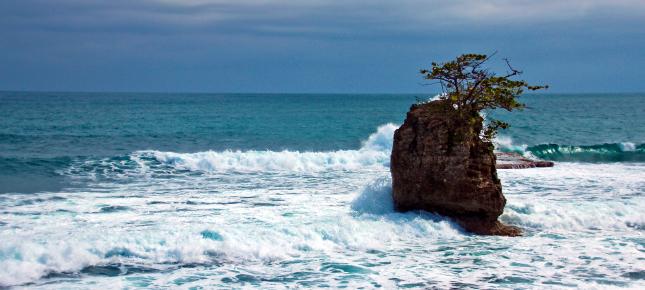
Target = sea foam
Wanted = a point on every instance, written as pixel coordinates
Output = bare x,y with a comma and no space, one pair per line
331,226
375,198
375,152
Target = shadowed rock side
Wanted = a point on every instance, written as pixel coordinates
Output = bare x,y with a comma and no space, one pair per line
439,164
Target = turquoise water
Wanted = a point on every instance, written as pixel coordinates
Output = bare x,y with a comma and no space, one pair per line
274,191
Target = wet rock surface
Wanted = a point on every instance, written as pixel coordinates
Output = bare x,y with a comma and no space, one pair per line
516,161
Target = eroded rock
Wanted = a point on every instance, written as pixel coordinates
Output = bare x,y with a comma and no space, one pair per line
509,160
439,164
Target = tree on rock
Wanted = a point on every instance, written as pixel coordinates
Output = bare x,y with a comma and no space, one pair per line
439,161
469,87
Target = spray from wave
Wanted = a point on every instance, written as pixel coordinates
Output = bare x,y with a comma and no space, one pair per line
375,152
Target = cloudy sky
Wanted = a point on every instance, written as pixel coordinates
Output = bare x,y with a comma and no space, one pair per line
312,45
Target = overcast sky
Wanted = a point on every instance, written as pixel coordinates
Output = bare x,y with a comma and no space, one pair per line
312,45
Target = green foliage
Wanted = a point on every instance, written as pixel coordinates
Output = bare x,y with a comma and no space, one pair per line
492,127
469,88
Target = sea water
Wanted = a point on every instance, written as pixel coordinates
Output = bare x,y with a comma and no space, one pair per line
123,190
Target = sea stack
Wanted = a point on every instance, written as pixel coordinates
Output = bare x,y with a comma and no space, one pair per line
440,164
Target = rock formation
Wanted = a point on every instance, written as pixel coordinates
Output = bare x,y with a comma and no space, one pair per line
440,164
507,160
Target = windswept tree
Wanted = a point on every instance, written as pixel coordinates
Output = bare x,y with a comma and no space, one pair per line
469,87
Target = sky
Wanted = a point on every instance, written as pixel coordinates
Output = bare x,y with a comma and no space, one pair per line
313,46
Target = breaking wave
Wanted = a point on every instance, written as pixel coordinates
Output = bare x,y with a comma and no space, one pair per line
164,228
376,197
373,154
607,152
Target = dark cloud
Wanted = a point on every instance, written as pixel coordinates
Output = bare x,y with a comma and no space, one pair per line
311,46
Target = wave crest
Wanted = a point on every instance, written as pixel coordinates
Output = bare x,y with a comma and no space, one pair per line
375,152
607,152
270,161
376,197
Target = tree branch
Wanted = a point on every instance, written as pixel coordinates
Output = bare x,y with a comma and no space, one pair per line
514,72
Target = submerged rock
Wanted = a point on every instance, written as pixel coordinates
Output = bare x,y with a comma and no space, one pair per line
440,164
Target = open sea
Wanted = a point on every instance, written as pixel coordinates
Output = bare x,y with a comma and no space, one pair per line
275,191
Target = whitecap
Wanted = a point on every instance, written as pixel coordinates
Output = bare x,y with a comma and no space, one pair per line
627,146
375,153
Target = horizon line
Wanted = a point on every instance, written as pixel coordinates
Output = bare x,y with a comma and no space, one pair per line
292,93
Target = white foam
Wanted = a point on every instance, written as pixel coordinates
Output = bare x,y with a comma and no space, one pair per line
438,97
375,198
179,241
375,152
27,261
566,217
269,161
627,146
505,143
578,218
581,196
382,139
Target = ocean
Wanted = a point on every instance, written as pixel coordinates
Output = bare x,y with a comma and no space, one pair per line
274,191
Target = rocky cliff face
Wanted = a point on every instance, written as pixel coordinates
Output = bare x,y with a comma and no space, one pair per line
439,164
